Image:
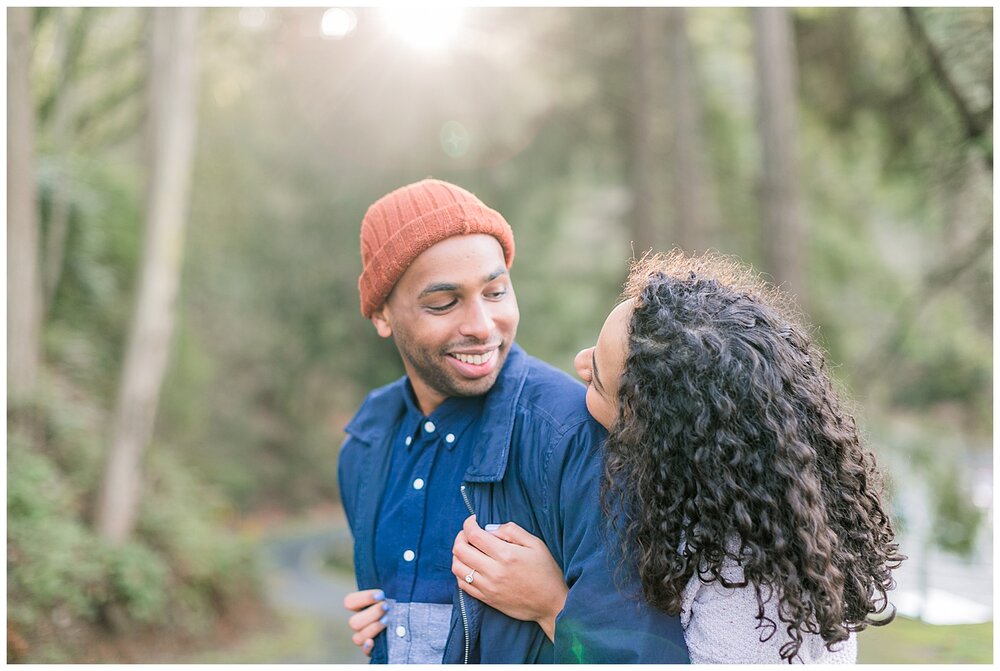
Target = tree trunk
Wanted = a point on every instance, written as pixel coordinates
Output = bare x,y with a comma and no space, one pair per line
58,224
643,162
172,86
695,224
23,283
782,223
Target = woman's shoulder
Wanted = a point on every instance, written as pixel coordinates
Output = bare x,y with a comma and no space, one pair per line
699,593
721,626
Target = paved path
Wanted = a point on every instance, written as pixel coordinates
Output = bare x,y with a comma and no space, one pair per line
297,584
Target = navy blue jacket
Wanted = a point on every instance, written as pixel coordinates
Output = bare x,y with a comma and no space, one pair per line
537,462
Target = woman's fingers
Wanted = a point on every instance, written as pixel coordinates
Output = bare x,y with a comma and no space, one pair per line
486,542
366,597
460,568
369,608
473,589
512,533
370,632
362,619
471,556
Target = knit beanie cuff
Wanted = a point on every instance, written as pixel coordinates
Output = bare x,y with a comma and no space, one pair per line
388,263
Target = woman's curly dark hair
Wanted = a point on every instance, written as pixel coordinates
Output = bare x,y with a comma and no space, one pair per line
732,441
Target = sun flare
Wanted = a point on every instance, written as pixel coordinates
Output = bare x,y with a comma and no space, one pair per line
429,28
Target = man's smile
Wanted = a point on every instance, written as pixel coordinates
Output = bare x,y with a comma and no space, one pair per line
474,363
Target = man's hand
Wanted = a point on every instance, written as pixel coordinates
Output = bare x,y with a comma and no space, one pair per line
515,573
369,617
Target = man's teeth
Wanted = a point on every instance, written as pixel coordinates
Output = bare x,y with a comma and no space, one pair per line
474,359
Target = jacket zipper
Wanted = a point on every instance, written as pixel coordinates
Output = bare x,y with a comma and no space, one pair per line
461,594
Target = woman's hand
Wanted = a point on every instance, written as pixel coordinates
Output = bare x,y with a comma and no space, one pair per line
514,572
368,621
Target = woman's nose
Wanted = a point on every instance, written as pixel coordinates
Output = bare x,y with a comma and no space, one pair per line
583,362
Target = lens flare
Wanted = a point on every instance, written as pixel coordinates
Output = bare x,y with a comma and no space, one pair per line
338,23
429,28
454,139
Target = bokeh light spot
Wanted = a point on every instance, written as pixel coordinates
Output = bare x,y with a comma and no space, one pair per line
424,27
455,139
338,23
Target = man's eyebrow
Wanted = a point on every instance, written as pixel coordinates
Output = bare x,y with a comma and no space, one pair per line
438,286
495,274
593,369
451,286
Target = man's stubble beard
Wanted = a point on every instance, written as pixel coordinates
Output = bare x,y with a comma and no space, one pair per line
434,373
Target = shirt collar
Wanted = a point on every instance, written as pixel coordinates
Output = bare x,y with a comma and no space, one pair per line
452,417
384,407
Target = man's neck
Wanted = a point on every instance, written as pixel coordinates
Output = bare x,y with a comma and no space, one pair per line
428,400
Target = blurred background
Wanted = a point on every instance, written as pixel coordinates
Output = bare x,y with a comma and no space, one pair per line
184,339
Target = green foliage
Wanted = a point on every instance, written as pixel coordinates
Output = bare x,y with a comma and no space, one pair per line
945,375
56,561
956,520
179,569
139,577
89,316
181,519
52,559
908,641
928,450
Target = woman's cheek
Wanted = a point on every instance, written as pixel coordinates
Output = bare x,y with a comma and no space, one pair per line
597,407
590,401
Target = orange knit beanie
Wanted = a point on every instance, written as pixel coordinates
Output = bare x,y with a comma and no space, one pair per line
404,223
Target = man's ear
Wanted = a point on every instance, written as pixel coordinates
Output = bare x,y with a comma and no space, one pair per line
380,318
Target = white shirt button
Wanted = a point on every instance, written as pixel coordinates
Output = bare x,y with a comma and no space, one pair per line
409,439
409,555
418,483
450,438
429,427
401,631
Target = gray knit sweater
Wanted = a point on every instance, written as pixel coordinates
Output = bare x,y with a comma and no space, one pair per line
721,627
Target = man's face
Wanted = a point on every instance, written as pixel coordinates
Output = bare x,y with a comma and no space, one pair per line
453,316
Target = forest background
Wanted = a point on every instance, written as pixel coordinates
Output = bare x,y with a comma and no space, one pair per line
184,194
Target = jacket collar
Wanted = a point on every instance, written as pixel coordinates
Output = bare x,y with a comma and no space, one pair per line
379,416
489,457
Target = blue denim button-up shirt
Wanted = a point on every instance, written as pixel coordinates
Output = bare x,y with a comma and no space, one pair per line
537,462
412,557
429,456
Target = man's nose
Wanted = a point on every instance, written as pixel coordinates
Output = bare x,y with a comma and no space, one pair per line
477,322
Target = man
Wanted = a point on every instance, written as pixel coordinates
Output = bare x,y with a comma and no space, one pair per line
475,427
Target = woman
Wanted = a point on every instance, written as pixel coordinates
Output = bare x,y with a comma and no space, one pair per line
735,482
